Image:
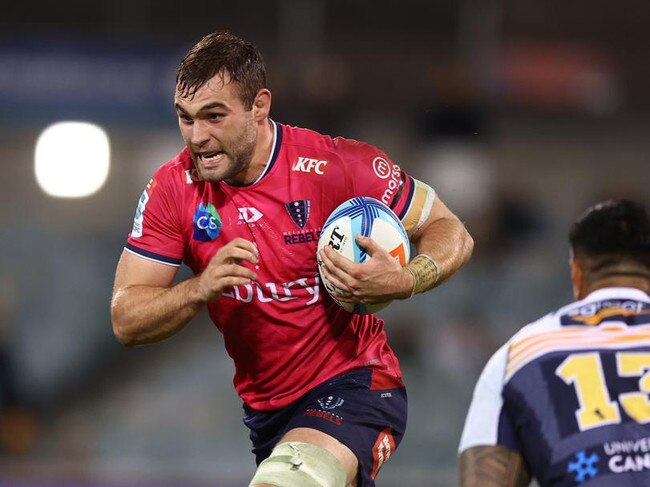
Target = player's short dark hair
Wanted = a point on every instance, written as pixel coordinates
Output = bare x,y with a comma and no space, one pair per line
611,234
222,52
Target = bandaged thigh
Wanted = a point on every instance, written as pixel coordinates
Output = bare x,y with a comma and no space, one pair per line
298,464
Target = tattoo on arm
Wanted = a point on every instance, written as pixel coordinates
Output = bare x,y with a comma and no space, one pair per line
492,466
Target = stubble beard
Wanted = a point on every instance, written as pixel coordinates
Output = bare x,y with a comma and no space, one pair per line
239,154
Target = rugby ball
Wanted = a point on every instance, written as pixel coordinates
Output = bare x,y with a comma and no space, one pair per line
370,218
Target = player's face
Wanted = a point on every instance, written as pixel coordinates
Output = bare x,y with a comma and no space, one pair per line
218,130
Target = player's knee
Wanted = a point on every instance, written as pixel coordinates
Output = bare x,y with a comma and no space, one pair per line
297,464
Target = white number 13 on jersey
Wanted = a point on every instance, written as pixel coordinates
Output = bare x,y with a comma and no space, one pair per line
585,372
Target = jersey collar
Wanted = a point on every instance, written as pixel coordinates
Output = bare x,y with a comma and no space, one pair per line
617,293
273,156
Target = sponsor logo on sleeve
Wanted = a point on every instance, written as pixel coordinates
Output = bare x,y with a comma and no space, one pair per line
305,164
381,167
207,223
138,219
393,184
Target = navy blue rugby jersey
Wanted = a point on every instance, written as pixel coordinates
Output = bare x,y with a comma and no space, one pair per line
570,393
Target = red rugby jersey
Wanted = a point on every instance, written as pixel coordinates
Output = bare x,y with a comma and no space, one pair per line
283,331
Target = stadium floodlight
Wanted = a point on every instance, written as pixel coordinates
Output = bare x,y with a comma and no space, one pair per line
72,159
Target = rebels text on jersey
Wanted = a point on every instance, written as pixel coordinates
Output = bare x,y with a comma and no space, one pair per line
284,333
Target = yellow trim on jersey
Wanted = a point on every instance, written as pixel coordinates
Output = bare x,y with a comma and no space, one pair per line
419,208
575,338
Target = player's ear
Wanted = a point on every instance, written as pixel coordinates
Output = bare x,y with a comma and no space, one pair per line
262,105
577,278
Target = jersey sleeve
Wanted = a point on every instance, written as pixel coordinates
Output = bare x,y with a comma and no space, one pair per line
378,177
487,423
156,233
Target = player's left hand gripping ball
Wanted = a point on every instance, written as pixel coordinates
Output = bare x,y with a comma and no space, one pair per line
368,217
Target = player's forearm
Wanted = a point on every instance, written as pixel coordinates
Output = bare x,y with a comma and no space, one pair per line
448,243
145,314
492,466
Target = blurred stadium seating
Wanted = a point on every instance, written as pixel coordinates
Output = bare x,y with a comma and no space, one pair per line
519,115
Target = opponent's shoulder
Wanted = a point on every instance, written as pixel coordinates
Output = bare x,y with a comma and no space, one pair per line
547,322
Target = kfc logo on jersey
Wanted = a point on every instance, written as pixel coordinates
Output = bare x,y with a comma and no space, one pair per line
249,214
207,223
138,219
305,164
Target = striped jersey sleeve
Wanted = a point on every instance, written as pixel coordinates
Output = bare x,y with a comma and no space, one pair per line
156,234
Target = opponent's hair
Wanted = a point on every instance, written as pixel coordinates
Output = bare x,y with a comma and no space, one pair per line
613,237
226,54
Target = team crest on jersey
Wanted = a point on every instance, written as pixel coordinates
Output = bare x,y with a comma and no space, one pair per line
299,212
326,405
207,223
330,402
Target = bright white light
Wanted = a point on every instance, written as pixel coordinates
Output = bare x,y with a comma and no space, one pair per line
72,159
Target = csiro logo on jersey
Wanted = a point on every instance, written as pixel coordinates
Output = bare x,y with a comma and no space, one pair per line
207,223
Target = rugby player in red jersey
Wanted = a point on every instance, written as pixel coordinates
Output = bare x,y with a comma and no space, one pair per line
242,205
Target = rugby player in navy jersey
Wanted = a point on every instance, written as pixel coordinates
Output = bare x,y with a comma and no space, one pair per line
566,399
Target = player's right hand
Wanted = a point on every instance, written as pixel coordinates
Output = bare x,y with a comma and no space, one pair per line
227,269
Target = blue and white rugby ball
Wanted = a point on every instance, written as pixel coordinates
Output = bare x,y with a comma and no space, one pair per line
370,218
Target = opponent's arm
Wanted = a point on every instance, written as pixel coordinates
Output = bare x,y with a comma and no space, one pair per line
146,307
492,466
